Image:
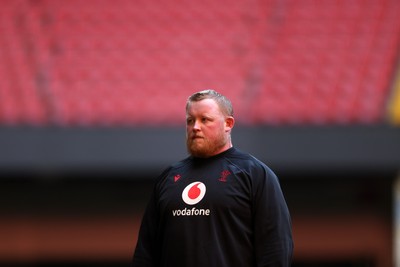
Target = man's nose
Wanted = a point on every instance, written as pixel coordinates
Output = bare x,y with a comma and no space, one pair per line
196,125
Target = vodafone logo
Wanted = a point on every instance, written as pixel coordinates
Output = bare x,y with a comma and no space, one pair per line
194,193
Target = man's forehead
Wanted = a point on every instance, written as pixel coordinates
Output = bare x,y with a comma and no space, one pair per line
203,106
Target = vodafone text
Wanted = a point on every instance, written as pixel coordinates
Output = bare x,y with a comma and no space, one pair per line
191,212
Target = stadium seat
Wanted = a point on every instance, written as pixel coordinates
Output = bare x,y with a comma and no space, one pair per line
123,63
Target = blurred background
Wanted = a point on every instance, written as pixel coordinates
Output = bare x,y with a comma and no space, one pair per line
92,96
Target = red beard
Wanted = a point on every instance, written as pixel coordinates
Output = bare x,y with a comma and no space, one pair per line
202,147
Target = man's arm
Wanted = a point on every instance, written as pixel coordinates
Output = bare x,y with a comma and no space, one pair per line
273,241
145,254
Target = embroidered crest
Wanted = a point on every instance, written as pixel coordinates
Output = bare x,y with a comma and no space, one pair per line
224,176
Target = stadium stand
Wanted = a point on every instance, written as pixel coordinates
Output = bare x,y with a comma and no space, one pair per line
20,100
74,196
134,63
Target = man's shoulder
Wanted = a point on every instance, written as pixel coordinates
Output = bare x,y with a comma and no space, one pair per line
176,165
180,164
245,158
251,165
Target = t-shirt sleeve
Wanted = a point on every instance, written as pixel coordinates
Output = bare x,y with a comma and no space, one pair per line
146,250
147,247
273,241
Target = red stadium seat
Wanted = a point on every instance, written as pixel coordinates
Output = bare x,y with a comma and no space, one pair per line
123,63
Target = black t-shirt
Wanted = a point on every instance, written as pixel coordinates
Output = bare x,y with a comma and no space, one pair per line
227,210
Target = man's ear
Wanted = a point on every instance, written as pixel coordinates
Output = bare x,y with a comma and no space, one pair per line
229,123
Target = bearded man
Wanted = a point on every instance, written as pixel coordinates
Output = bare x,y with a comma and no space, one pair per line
218,207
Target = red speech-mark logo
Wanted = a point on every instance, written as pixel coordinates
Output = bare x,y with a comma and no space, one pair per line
194,193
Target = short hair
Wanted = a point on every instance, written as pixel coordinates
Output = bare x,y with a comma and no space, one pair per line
223,102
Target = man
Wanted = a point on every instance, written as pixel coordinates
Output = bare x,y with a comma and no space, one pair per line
219,206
